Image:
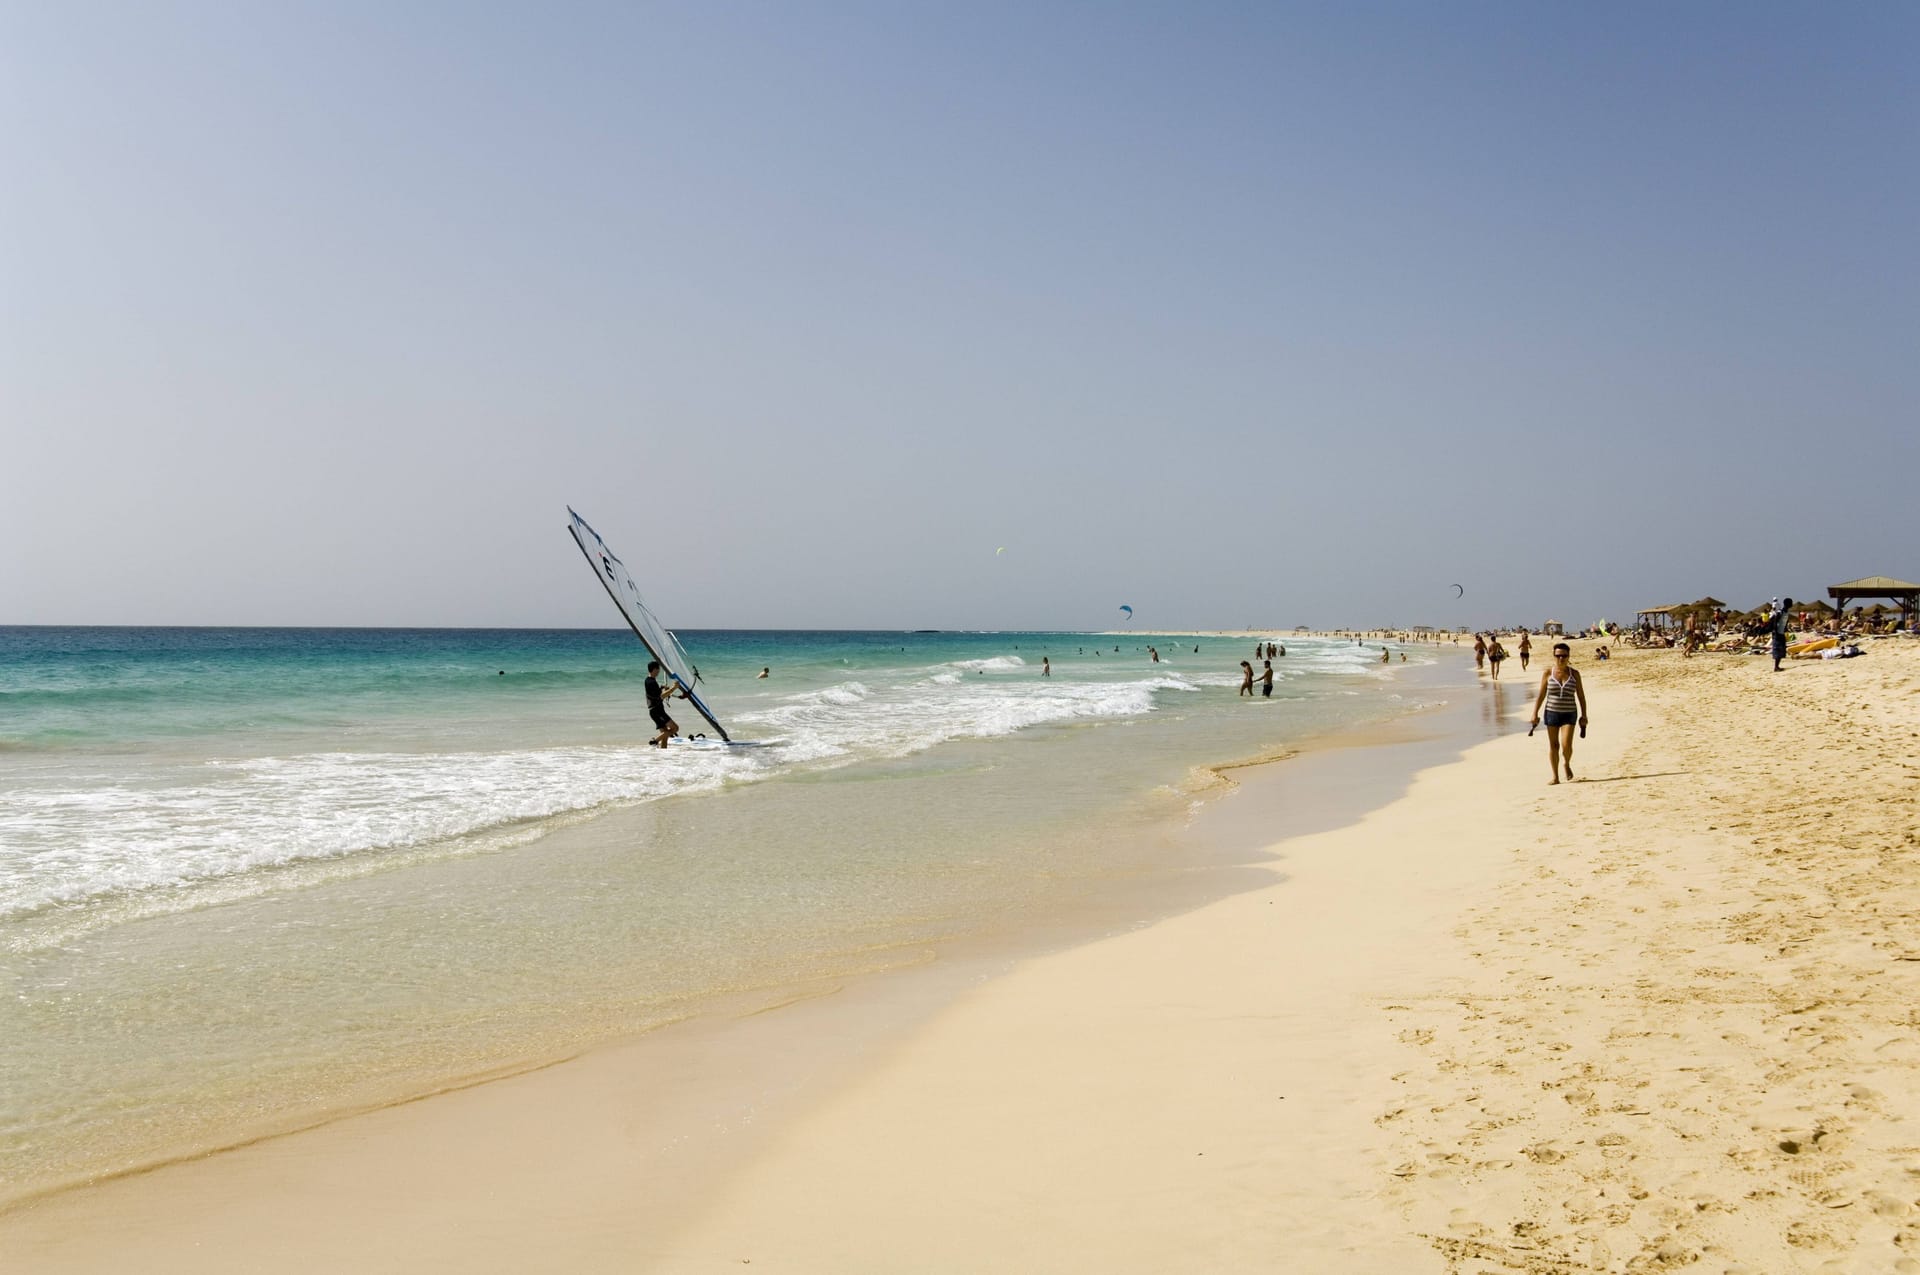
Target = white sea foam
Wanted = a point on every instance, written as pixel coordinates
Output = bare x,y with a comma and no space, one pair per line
844,693
87,837
68,845
996,664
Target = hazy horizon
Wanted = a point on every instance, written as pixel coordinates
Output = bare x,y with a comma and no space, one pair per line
1294,314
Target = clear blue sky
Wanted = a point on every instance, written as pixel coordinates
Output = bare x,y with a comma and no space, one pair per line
1264,313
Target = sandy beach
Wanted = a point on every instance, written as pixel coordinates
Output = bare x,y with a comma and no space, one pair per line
1660,1017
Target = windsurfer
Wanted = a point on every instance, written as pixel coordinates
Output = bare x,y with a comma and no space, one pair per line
657,706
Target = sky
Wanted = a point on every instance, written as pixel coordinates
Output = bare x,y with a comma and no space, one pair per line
1251,314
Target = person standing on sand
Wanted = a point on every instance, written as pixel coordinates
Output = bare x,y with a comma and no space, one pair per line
1526,650
1246,678
1479,651
1560,691
1777,631
1266,679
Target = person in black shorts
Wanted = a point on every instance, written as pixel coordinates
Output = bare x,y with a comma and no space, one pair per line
1266,679
1564,697
657,707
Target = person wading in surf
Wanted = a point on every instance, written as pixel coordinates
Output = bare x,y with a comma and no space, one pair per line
657,706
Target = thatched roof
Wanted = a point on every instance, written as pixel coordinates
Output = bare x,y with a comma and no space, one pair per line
1874,587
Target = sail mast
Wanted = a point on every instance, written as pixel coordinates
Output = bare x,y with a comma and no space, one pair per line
657,638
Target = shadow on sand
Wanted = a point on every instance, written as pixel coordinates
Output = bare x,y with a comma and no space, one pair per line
1621,779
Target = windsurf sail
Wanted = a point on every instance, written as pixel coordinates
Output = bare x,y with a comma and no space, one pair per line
655,636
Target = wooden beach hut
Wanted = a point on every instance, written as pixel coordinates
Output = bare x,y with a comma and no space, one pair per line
1654,617
1874,588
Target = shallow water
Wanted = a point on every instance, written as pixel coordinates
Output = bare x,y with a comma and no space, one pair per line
249,878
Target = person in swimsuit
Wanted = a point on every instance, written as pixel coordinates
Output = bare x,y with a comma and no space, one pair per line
1266,679
1479,651
1495,654
657,707
1046,667
1246,678
1526,650
1561,691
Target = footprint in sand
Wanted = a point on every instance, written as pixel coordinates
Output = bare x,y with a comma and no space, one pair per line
1889,1207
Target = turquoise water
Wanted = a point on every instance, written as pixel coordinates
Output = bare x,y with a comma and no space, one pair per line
253,877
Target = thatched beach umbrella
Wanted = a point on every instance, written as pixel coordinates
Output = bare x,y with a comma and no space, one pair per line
1708,603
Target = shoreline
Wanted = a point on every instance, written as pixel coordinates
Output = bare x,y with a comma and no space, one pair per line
611,924
1204,867
1660,1016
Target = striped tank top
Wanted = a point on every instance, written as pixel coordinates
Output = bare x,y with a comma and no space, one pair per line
1560,694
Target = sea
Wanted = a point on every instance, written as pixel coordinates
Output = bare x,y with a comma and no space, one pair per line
252,879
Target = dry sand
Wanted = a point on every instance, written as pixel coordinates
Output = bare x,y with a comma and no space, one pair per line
1693,1029
1662,1017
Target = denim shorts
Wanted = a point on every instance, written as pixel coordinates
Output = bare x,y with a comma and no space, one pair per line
1560,719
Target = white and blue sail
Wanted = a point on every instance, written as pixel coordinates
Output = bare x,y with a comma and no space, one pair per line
655,636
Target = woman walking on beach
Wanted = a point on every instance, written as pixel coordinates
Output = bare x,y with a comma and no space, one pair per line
1561,691
1246,678
1526,650
1479,651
